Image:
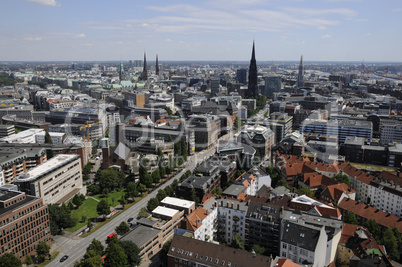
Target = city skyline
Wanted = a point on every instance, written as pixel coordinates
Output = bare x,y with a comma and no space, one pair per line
220,30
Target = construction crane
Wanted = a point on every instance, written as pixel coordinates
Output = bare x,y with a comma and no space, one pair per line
88,125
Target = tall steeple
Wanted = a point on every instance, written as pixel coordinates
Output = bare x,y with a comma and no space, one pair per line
252,91
121,71
300,76
145,71
157,65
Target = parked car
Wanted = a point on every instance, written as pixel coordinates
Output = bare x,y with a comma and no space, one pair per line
130,219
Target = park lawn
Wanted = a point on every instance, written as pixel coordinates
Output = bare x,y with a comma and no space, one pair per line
113,198
88,208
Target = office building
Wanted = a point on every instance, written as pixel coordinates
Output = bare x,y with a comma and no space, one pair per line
56,180
24,222
273,84
241,76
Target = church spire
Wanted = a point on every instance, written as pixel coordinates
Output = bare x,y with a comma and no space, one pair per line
145,71
252,91
157,65
300,76
121,71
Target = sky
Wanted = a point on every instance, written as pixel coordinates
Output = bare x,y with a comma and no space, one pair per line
211,30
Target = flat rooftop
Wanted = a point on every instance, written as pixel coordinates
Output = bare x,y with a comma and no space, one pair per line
163,211
46,167
140,235
177,202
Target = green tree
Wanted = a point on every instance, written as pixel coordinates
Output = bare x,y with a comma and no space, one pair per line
28,260
152,204
143,213
132,251
306,191
96,246
77,201
164,251
83,218
397,234
9,259
258,249
142,188
122,228
374,229
342,178
90,224
156,177
115,256
90,259
169,191
184,149
237,242
161,194
168,110
132,190
351,218
48,139
123,201
391,244
42,250
109,179
103,208
60,218
148,180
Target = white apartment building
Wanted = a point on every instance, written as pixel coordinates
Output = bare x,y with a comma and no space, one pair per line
307,239
56,180
390,132
26,137
57,138
386,196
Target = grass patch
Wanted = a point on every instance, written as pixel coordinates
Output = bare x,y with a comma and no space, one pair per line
88,209
372,167
112,198
54,255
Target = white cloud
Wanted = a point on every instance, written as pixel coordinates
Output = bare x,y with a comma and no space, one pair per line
81,35
326,36
33,39
397,10
321,27
88,44
168,40
368,34
45,2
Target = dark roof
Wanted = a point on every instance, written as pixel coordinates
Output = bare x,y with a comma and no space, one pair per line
300,235
140,235
214,255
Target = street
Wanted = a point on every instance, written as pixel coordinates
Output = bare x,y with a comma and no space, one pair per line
76,247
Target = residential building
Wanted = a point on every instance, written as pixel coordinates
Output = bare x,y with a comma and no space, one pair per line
57,138
6,130
178,204
186,251
56,180
26,137
206,128
24,222
260,138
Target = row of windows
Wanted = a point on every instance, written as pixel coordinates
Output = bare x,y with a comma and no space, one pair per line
22,213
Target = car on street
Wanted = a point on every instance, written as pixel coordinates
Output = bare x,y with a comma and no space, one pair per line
65,257
130,219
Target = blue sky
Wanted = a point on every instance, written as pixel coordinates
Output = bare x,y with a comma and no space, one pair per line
80,30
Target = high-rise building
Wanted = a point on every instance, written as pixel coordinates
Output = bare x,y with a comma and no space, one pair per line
24,223
157,66
300,76
145,71
252,91
241,76
272,84
215,82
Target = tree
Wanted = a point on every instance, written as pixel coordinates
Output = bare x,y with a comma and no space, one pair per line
115,256
103,208
148,180
152,204
374,229
42,249
60,218
122,228
351,218
161,194
391,244
169,191
83,218
48,139
258,249
183,145
123,201
142,187
77,201
306,191
132,190
28,260
237,242
342,178
156,177
90,259
90,224
132,251
109,179
168,110
9,259
164,251
143,213
96,246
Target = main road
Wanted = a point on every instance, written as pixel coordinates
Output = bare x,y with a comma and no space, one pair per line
75,247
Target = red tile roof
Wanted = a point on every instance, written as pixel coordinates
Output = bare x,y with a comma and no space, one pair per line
286,263
368,212
336,190
194,219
